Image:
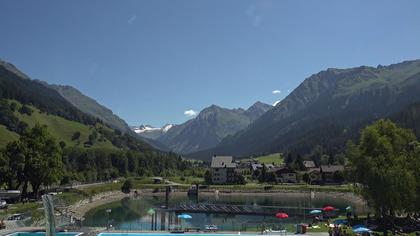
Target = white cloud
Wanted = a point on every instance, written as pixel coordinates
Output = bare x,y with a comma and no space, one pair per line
190,113
276,102
131,19
276,91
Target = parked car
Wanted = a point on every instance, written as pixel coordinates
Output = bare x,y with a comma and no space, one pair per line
16,217
211,228
3,204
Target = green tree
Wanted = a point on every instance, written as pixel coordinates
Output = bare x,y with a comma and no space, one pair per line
62,144
306,178
13,106
289,160
25,110
381,163
263,175
4,164
207,177
14,164
127,186
414,165
34,159
43,163
76,136
298,165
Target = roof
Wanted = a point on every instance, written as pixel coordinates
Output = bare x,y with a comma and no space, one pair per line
222,162
332,168
269,166
256,166
281,170
309,164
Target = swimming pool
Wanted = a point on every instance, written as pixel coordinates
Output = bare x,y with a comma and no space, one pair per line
168,234
43,234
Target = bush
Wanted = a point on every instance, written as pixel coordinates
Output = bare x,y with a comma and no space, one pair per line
338,176
306,178
25,110
13,106
207,177
76,136
127,186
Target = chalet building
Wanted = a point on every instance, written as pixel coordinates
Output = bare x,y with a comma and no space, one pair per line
312,172
256,168
223,170
314,175
332,173
284,175
309,165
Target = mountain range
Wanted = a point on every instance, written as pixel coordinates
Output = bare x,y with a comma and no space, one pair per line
327,109
206,130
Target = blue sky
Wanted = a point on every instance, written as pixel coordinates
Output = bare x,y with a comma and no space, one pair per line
150,61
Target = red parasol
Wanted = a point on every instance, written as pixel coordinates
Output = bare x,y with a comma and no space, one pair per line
328,208
282,215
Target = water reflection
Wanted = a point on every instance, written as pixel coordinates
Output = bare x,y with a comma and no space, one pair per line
132,214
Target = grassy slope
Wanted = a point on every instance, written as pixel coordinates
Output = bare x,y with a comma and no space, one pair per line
6,136
268,159
60,128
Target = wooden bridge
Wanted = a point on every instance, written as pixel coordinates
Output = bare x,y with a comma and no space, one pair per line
238,209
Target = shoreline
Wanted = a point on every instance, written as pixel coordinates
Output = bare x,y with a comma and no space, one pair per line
80,208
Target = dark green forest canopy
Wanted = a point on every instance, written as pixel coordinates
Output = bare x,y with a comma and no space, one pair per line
37,160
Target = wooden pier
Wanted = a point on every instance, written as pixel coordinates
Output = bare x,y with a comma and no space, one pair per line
238,209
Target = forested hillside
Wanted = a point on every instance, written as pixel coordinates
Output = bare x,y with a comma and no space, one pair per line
38,125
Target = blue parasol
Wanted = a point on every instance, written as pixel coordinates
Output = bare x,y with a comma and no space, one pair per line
184,216
361,230
315,212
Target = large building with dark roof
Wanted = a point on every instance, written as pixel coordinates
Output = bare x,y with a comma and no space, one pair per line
223,170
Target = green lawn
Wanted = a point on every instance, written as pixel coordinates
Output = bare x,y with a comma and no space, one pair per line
186,180
275,158
20,208
60,128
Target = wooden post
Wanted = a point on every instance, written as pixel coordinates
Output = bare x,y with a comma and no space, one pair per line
162,220
197,191
156,221
168,189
